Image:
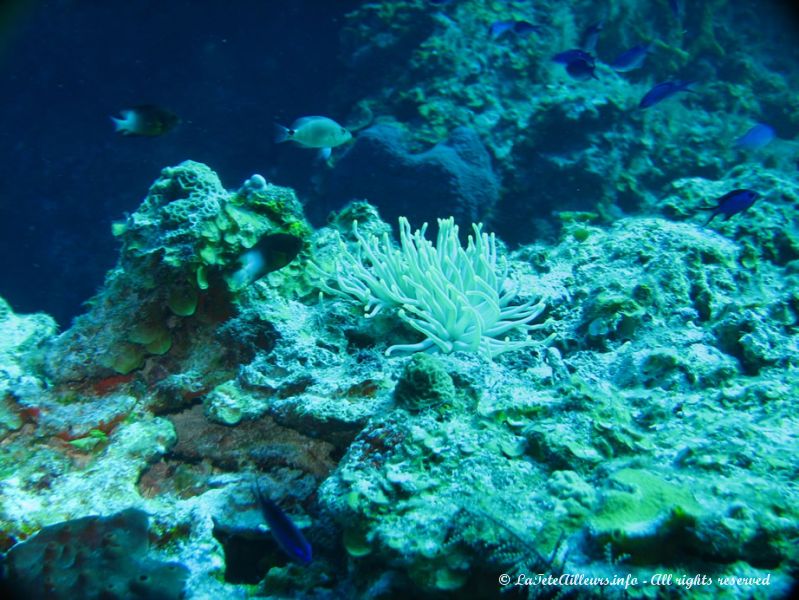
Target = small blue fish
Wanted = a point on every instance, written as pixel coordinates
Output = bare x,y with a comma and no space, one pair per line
564,58
581,69
631,59
590,36
498,28
285,532
732,203
757,137
580,64
662,91
525,28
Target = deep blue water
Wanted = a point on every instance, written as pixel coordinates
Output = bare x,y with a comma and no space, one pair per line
229,69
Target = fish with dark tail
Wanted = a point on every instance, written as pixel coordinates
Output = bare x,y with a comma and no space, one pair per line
285,532
145,120
662,91
732,203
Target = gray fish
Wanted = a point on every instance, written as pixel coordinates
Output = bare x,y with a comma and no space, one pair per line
314,132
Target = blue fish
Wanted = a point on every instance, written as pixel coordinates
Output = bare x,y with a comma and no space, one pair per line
590,37
525,28
733,203
662,91
564,58
581,69
757,137
499,28
631,59
285,532
580,64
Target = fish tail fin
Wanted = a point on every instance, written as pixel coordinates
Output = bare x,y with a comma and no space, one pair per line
685,86
126,124
324,154
712,216
282,134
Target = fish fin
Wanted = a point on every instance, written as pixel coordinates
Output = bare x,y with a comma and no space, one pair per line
283,134
712,216
256,489
125,124
324,153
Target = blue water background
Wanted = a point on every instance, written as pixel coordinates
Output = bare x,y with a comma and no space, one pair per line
229,69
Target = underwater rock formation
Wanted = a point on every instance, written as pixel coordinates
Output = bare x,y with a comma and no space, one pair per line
92,557
181,253
453,178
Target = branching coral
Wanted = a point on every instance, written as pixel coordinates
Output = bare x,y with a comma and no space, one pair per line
455,296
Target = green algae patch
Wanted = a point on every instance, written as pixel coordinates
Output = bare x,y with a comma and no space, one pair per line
613,315
127,358
356,544
144,333
91,441
160,345
424,383
449,580
645,517
183,300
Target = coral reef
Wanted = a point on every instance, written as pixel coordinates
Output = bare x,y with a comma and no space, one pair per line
648,426
633,441
560,144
